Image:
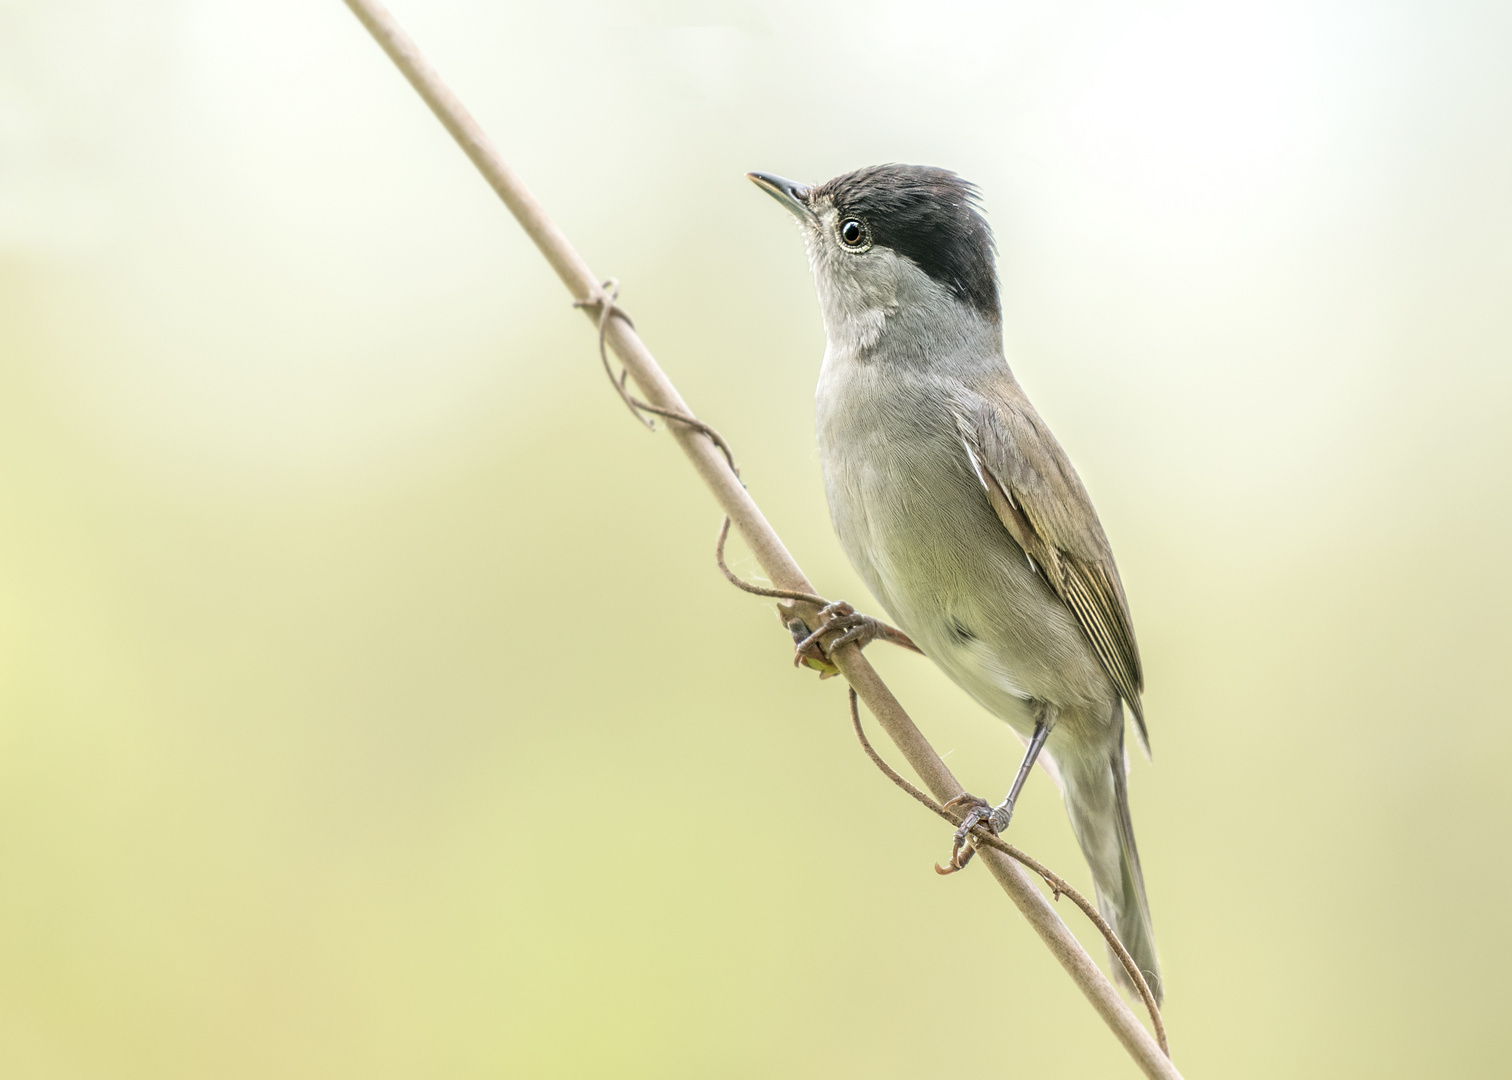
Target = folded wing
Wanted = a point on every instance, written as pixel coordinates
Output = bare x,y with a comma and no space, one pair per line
1041,502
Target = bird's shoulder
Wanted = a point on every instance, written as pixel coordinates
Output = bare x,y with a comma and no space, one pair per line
1014,443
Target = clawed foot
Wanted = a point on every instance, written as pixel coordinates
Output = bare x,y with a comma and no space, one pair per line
982,812
813,657
853,627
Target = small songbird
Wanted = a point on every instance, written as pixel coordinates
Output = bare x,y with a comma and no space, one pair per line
959,509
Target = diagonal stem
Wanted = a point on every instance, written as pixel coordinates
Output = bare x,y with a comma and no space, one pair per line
770,552
1058,885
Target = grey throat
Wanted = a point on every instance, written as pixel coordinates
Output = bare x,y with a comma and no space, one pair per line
960,510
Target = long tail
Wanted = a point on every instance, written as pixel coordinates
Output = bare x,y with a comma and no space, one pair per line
1097,799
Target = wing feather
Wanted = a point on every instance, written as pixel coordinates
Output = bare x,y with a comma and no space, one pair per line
1043,506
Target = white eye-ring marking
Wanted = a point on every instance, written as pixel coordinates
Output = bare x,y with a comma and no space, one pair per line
854,236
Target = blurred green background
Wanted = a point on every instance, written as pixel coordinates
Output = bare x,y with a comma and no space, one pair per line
370,705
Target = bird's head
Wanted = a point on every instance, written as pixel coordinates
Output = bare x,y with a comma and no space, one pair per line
893,244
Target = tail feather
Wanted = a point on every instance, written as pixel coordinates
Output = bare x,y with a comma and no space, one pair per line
1097,800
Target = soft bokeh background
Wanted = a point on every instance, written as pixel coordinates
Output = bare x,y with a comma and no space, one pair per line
370,705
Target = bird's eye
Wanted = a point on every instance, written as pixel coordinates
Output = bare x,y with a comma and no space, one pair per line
852,233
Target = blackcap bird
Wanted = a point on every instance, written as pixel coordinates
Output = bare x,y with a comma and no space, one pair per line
959,509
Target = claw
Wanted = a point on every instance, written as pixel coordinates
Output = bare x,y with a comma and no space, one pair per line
858,630
806,653
982,812
853,626
955,864
829,617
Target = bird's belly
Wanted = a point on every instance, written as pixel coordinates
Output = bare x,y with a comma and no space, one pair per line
917,526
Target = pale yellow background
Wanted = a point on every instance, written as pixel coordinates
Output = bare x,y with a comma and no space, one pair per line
370,705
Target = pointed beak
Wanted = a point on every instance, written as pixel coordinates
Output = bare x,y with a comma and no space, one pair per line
789,193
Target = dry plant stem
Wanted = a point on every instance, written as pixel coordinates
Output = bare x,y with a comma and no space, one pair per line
1058,885
765,545
980,835
757,590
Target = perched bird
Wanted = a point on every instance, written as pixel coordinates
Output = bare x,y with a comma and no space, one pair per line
960,510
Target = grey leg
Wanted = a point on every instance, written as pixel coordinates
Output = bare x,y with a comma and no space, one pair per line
997,817
1003,813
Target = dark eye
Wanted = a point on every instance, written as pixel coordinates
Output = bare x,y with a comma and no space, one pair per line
852,233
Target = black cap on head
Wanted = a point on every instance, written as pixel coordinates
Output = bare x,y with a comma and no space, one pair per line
930,216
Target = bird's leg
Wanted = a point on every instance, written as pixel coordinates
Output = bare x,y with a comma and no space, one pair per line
983,812
853,626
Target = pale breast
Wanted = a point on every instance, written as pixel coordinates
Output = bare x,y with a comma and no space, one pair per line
915,522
